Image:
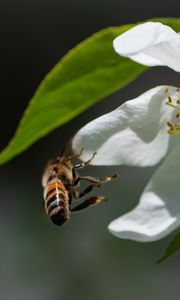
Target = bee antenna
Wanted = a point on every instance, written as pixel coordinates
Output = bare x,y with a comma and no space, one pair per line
59,158
65,150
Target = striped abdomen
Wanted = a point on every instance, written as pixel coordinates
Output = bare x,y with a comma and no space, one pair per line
56,201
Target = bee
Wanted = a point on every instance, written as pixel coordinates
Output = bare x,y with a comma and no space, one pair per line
60,182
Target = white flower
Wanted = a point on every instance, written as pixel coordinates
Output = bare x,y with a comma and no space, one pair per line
140,133
151,44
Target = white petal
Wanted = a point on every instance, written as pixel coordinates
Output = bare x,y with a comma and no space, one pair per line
150,44
158,212
133,134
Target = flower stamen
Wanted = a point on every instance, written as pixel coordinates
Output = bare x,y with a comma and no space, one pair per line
173,128
169,99
172,105
166,90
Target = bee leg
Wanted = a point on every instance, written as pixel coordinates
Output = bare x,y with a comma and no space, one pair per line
75,155
84,164
80,166
86,190
95,181
88,202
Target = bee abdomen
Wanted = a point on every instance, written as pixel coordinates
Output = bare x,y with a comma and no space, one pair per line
56,202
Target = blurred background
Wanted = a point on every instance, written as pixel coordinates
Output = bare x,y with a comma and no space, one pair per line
81,260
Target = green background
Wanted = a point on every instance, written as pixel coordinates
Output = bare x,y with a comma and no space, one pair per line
81,260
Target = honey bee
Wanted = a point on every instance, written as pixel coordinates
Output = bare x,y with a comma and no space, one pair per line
60,182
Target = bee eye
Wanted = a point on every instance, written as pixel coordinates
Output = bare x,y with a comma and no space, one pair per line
63,177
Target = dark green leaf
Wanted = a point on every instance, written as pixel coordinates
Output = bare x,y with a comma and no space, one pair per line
89,72
172,249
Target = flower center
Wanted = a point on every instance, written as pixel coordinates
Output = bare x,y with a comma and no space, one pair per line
174,102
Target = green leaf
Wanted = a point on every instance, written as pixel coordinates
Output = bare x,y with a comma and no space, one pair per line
172,249
89,72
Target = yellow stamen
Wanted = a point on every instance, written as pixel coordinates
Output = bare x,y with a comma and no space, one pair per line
174,129
170,125
171,132
169,99
172,105
177,126
166,90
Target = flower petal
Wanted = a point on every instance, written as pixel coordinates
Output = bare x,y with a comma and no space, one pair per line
158,212
133,134
151,44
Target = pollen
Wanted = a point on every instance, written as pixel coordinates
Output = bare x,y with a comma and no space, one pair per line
169,99
170,125
166,90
